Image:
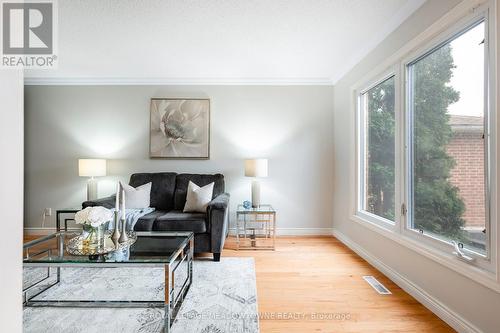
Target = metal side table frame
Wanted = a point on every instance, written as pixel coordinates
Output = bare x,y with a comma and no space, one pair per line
60,212
251,220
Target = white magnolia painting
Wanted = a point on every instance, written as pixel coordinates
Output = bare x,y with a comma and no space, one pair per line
180,128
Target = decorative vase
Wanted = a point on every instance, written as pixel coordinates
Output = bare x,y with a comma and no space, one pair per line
93,237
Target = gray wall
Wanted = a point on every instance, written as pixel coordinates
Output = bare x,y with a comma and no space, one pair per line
472,301
290,125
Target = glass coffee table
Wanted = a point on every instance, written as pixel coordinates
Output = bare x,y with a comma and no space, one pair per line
173,251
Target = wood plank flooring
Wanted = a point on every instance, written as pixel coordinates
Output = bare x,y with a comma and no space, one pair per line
308,275
314,284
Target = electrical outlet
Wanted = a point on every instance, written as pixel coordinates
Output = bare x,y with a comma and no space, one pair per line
47,211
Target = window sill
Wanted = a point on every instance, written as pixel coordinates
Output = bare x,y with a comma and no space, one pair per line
479,275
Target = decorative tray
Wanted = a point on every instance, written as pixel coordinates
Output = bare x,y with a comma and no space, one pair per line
75,245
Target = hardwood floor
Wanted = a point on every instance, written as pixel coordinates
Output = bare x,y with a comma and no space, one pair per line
320,276
307,275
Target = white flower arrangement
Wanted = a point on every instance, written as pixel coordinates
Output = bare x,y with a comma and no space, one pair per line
93,216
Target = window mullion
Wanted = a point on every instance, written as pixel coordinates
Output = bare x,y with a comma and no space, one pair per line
399,147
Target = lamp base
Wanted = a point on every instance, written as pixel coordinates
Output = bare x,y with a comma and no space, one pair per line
91,189
255,194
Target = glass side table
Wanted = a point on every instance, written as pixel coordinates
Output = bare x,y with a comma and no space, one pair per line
256,228
69,211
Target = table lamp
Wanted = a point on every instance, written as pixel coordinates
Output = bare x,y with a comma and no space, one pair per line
91,167
256,168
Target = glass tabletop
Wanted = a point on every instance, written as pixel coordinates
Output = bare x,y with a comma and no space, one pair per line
262,209
150,247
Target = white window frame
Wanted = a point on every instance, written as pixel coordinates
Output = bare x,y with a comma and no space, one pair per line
484,269
449,34
361,149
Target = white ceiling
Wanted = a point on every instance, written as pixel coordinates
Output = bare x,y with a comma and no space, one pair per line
217,41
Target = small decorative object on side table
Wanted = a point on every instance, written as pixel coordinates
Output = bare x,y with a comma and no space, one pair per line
256,228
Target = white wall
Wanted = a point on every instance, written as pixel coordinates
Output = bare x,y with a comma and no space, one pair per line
11,199
290,125
469,300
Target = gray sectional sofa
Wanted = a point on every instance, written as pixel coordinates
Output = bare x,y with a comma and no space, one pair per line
168,196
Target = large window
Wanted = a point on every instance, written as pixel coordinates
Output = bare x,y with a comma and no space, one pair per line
426,142
378,170
447,161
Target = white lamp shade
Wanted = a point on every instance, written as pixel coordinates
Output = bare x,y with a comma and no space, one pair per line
256,167
91,167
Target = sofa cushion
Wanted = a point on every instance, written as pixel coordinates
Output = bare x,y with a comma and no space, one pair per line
137,197
182,181
162,188
145,223
198,198
176,220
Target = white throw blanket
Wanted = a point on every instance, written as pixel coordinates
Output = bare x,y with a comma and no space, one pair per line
131,217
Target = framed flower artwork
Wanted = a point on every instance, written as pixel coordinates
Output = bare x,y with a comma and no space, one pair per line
180,128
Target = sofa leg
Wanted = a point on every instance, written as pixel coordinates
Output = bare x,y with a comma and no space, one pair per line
216,256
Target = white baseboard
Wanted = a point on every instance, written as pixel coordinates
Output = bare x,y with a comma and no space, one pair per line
297,231
452,318
232,231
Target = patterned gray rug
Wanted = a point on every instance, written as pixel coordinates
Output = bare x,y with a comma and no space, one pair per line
222,299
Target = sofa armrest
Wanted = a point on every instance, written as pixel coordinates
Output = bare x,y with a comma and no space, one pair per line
219,202
107,202
218,221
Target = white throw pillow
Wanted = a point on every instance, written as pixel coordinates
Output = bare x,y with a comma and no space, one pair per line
197,198
138,197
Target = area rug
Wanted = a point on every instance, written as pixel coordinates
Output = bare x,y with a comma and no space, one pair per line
222,298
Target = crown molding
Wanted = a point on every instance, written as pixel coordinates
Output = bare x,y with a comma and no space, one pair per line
35,81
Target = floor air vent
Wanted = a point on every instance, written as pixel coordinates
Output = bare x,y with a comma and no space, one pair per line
379,287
